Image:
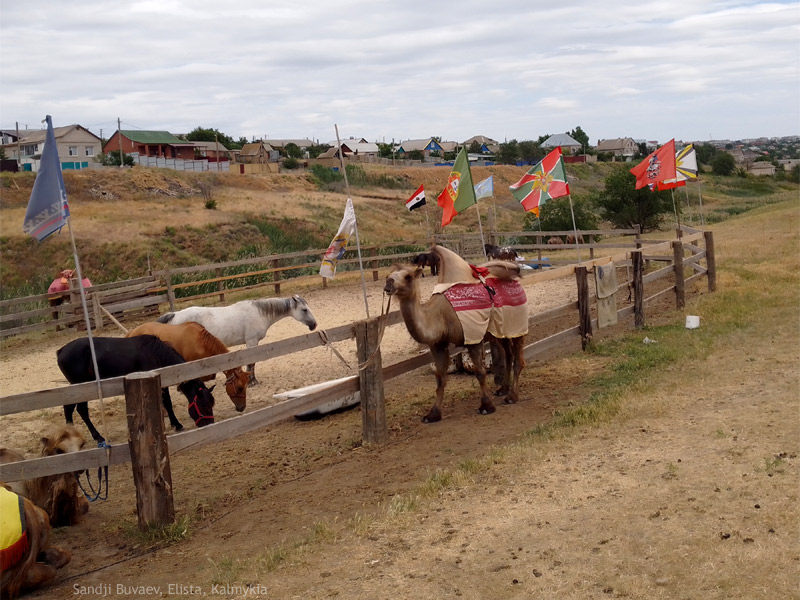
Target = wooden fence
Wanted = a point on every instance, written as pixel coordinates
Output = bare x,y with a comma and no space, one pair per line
145,295
150,454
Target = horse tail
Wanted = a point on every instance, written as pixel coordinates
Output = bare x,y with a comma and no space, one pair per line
166,318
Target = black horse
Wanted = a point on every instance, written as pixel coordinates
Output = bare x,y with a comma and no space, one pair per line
500,252
121,356
427,259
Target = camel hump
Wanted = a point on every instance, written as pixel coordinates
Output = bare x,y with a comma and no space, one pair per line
503,269
452,268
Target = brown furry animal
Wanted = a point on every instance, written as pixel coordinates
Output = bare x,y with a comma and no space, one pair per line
37,564
571,238
436,324
58,495
555,241
193,341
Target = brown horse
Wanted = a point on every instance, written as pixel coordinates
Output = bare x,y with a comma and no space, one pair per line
426,259
30,561
58,495
437,324
193,341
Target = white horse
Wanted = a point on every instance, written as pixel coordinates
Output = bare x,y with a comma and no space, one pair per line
244,322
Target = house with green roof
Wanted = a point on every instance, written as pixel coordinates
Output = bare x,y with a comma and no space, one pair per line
161,144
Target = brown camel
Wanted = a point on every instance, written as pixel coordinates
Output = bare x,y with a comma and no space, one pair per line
58,495
436,324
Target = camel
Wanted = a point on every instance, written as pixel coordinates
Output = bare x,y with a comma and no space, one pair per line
29,561
437,325
555,241
571,238
57,495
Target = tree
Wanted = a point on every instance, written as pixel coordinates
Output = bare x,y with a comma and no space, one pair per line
293,150
111,159
474,147
723,164
555,215
579,135
201,134
531,151
623,205
508,154
705,153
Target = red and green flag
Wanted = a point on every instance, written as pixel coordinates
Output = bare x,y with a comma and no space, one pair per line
459,193
544,181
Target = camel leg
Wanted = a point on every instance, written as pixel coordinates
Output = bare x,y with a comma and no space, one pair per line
83,411
476,354
500,358
441,360
166,400
517,357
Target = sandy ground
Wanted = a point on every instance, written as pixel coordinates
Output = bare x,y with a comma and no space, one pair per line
698,492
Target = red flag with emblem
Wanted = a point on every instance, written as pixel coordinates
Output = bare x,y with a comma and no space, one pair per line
658,166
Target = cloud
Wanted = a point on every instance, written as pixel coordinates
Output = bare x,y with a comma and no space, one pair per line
399,70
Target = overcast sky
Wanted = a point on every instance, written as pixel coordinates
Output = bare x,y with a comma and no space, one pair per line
405,69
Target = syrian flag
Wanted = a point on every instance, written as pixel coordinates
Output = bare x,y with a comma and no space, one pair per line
658,166
544,181
417,199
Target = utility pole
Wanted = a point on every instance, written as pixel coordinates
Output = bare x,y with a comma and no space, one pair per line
19,150
119,139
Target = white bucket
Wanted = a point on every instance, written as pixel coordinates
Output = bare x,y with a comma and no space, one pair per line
692,321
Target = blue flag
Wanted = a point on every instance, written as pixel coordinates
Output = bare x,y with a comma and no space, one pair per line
47,209
485,188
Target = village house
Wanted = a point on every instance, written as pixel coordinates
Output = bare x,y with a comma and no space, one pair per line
568,144
76,145
357,148
160,144
426,145
487,145
211,151
622,147
256,153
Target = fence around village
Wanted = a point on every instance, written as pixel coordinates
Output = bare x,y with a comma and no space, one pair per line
149,448
144,295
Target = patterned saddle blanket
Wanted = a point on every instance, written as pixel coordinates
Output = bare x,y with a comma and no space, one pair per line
13,536
499,307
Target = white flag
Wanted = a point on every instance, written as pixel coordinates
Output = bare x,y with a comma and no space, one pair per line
485,188
339,244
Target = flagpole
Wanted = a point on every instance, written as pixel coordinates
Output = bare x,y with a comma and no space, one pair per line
88,329
675,208
700,199
358,242
574,228
480,228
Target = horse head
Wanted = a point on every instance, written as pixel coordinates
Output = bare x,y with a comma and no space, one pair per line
236,381
201,402
299,310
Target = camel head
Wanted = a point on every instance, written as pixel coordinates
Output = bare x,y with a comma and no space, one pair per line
62,440
401,281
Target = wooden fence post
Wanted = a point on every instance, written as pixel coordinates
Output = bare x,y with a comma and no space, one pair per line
149,452
370,377
584,312
638,289
98,313
170,291
375,274
276,277
220,285
711,261
680,285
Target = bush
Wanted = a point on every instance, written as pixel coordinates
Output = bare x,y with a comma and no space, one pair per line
290,163
555,215
623,205
723,163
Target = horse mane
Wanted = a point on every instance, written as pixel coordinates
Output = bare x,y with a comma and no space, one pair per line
209,341
273,307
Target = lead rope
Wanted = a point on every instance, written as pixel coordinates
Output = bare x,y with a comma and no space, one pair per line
98,494
361,366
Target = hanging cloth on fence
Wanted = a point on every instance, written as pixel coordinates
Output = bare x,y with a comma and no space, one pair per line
605,277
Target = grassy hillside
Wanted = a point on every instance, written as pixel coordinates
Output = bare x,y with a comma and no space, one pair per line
125,220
